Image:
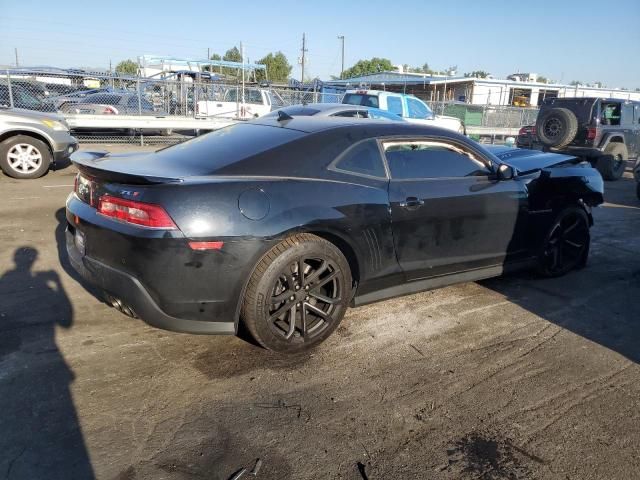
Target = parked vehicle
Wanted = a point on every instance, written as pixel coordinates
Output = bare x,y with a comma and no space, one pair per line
74,97
31,142
255,103
334,110
527,138
282,224
604,131
111,103
23,99
411,108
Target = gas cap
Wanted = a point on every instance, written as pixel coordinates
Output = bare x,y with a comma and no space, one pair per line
254,204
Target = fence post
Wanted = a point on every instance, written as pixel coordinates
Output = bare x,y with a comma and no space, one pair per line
140,109
9,87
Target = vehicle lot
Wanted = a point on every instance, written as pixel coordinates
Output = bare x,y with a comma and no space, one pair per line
516,377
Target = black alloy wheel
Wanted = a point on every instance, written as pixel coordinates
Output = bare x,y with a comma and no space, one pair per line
297,294
304,297
566,246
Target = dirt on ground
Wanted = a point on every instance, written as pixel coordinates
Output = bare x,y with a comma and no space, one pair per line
510,378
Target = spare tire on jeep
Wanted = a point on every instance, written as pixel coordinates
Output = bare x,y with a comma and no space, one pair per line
557,127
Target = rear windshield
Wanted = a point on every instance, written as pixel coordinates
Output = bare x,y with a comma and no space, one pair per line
226,146
361,99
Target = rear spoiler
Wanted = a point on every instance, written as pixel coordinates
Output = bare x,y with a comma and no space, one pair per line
89,164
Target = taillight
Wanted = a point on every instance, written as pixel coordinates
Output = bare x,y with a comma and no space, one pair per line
137,213
591,133
110,111
523,131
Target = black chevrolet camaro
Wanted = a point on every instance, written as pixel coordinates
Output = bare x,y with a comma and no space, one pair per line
282,223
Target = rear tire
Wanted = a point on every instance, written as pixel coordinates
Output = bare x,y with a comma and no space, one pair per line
566,245
557,127
25,157
611,165
297,294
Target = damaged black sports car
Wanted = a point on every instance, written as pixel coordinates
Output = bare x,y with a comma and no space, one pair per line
283,223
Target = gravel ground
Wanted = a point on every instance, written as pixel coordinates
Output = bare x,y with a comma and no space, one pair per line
511,378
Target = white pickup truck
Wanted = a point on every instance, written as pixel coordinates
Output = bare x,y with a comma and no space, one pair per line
411,108
257,102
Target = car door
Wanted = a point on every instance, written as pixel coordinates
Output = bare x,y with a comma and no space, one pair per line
628,124
449,212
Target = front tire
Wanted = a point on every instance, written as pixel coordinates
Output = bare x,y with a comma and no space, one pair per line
297,294
24,157
566,245
611,165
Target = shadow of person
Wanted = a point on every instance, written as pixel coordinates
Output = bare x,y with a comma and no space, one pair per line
41,435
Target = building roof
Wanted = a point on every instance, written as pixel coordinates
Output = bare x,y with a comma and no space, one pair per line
396,78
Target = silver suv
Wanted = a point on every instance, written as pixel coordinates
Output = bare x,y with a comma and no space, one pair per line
31,142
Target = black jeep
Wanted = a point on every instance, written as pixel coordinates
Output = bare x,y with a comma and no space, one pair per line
604,131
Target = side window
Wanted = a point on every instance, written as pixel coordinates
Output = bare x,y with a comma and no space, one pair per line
637,117
430,159
394,105
363,159
610,114
132,102
627,114
416,108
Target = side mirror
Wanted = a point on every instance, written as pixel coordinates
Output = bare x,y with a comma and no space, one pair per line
506,172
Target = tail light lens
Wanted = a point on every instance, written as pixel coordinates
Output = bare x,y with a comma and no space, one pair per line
110,111
138,213
591,133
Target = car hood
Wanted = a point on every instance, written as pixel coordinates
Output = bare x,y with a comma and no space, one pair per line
31,114
530,160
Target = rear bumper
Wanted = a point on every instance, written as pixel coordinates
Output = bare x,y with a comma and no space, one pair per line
129,289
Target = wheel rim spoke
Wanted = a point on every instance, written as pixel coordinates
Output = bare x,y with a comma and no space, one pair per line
325,280
318,311
573,244
571,227
303,320
281,298
325,299
292,322
278,313
316,275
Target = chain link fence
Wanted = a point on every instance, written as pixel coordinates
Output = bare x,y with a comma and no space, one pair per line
101,94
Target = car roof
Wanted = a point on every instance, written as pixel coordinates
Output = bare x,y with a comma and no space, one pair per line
312,124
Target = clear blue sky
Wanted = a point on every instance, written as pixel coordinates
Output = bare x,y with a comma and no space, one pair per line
563,40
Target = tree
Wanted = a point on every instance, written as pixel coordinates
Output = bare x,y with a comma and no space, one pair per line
278,67
542,79
366,67
575,83
127,67
477,74
425,68
233,55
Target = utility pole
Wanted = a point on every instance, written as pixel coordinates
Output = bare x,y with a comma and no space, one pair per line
304,51
242,54
341,37
17,63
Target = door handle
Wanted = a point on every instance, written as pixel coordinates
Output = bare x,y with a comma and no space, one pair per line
411,203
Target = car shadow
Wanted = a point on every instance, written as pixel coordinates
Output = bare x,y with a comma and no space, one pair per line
41,435
600,301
